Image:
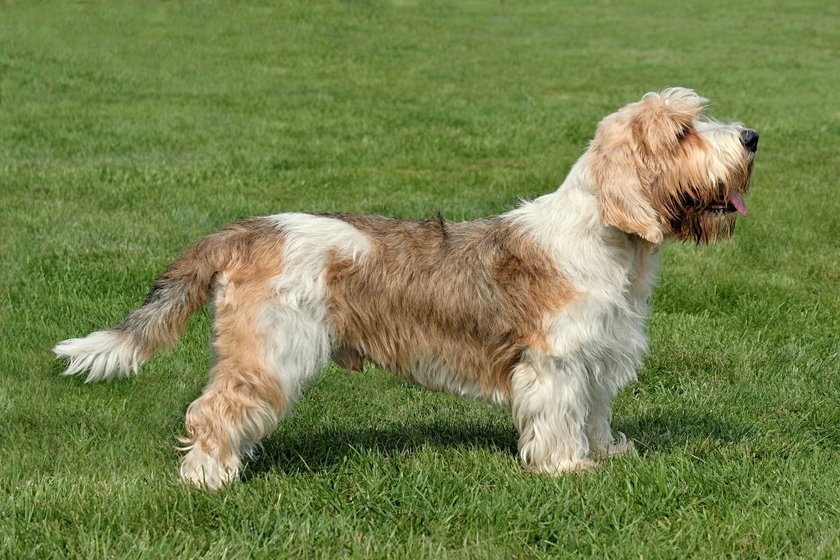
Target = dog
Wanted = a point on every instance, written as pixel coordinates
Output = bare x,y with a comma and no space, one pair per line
541,309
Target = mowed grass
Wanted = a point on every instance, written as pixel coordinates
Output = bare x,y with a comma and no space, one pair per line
129,129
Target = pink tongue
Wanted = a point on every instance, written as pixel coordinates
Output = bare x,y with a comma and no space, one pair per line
738,202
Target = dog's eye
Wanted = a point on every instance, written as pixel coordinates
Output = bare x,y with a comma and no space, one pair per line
682,134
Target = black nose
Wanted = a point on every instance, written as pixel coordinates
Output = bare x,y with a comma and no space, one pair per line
749,138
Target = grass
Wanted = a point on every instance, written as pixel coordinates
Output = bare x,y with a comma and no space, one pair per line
129,129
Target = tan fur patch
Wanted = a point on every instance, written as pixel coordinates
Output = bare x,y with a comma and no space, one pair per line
349,358
243,396
468,297
182,288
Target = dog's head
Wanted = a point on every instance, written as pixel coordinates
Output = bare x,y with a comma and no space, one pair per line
661,169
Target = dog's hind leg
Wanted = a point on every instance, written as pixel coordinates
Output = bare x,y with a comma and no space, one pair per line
238,407
266,352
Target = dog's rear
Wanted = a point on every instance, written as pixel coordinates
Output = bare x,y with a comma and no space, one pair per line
265,280
177,293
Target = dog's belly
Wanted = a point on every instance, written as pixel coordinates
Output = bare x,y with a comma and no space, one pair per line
462,366
434,374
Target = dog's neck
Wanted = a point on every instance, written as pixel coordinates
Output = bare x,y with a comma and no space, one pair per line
568,225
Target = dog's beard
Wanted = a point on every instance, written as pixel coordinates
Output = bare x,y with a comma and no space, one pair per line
704,217
705,226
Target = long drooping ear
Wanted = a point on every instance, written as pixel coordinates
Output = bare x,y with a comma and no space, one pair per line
623,203
615,166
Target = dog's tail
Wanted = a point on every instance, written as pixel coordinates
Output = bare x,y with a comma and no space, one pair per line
177,293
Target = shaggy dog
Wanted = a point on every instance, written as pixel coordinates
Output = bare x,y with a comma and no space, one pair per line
542,308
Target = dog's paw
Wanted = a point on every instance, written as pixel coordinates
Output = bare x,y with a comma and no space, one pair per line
203,470
620,446
617,446
562,467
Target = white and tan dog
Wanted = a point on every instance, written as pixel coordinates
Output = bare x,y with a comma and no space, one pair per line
542,308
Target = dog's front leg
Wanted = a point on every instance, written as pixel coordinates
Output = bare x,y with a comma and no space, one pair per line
550,404
602,441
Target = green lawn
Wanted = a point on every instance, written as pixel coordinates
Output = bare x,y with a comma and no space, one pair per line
128,129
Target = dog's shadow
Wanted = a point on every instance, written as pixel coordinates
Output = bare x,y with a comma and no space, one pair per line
661,433
302,453
320,450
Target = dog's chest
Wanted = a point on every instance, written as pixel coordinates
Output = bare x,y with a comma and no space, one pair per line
609,314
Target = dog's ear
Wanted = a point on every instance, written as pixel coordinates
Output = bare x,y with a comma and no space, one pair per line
622,200
617,170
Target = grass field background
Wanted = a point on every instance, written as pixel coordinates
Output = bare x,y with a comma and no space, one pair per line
129,129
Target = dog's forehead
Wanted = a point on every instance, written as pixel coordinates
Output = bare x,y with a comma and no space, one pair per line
654,108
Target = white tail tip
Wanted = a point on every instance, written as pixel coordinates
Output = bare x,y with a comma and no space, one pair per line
104,354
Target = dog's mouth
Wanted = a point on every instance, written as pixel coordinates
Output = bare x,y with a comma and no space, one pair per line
734,204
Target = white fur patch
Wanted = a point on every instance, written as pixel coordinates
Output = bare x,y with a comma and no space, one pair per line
200,468
309,239
296,325
106,354
550,409
432,373
561,401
